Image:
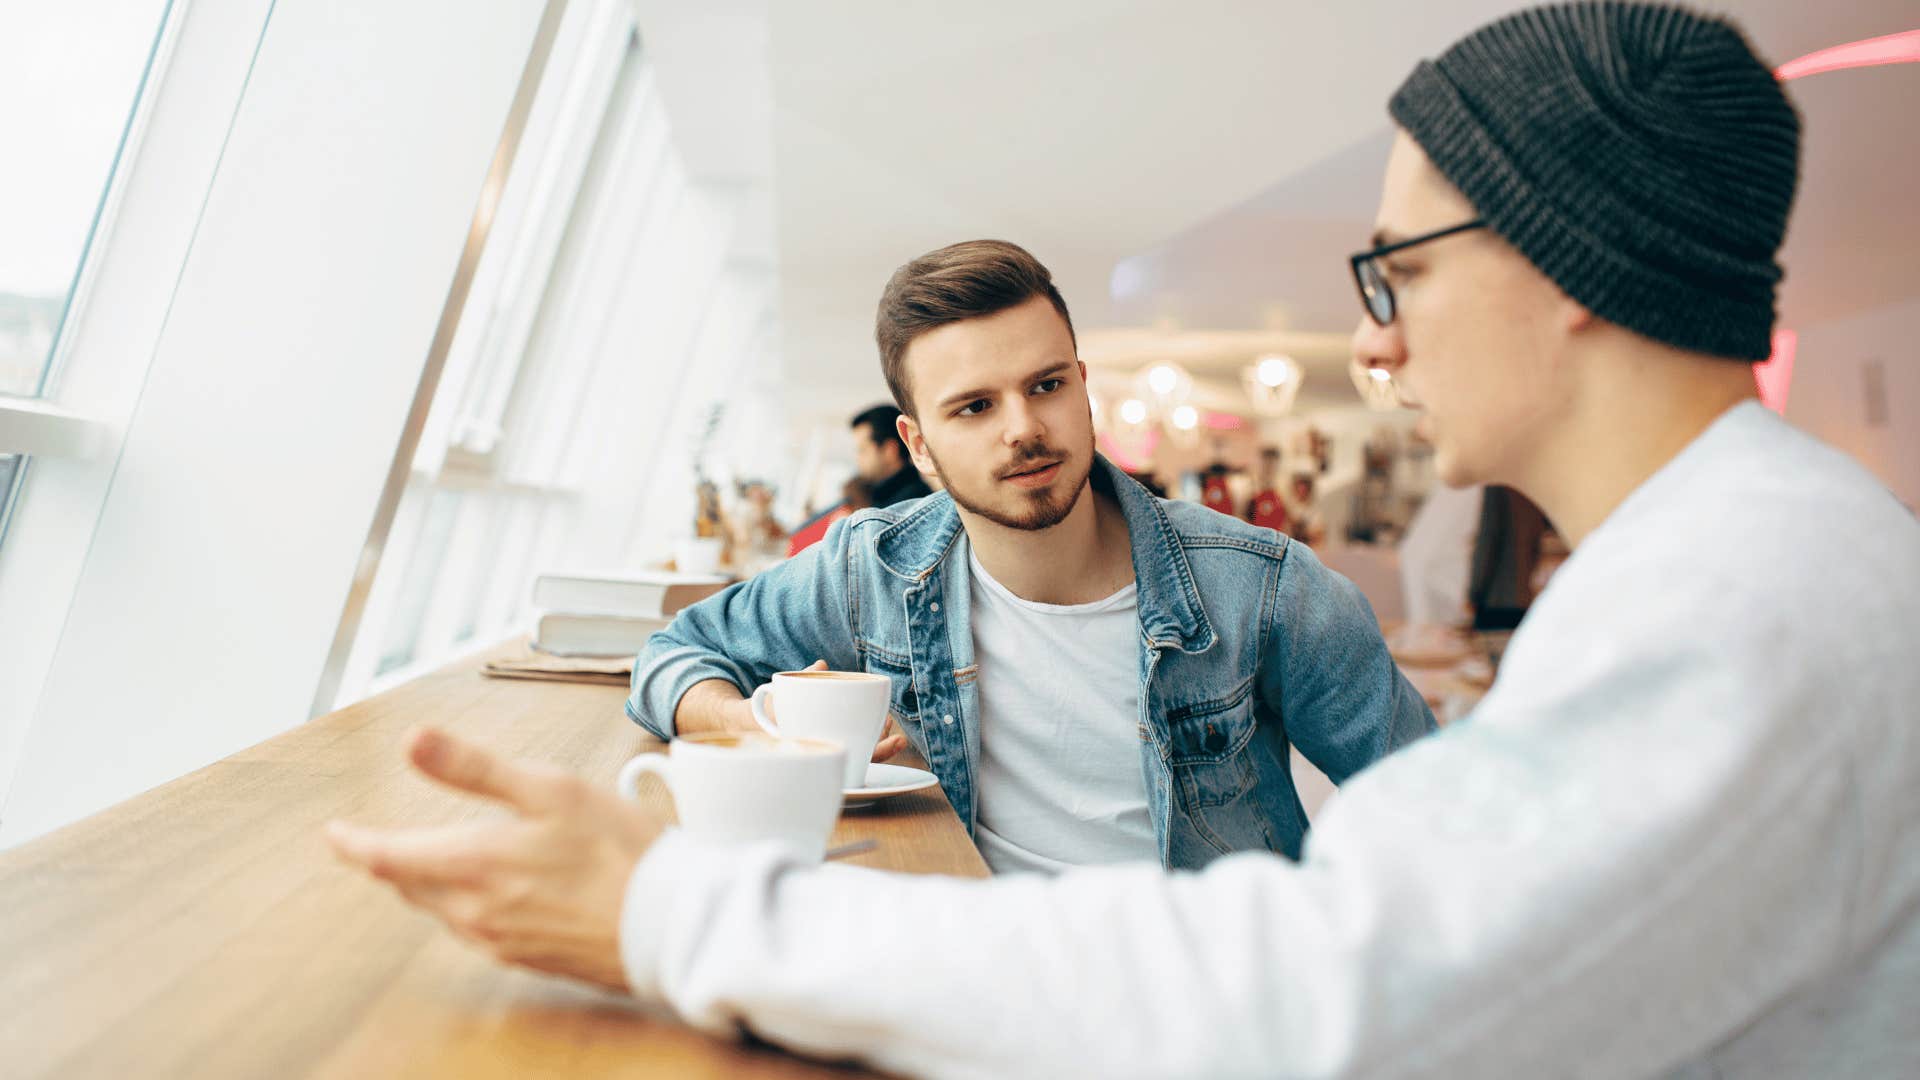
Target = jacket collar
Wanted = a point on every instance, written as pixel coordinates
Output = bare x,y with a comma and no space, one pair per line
1171,614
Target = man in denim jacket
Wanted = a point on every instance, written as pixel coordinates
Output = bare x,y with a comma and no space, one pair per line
1095,674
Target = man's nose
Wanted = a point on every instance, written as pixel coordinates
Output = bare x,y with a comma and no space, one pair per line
1023,424
1376,346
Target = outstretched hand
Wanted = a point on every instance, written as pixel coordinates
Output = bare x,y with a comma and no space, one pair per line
543,890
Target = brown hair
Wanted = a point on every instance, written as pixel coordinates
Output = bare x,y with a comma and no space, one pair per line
970,280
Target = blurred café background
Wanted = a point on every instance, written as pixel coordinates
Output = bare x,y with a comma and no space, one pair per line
327,328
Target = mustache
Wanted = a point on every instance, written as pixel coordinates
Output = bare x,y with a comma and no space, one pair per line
1031,461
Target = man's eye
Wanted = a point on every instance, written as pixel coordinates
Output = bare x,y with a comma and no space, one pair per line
1398,271
1048,386
973,408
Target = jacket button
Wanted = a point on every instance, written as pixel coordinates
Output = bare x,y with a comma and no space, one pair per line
947,719
1216,742
936,605
909,700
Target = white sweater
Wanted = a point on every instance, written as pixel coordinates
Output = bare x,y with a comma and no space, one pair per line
1681,833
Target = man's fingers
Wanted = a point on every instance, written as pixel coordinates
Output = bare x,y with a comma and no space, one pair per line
891,740
472,768
413,858
817,665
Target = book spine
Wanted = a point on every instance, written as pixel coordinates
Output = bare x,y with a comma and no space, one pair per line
600,598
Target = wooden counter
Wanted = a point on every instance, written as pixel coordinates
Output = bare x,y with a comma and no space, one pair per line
204,929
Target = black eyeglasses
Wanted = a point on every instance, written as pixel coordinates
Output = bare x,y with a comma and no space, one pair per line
1375,294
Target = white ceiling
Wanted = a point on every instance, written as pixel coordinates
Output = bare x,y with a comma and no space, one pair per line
1199,165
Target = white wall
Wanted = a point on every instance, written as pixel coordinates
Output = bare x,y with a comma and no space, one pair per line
293,348
1829,392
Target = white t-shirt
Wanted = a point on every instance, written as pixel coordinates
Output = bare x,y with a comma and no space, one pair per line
1060,780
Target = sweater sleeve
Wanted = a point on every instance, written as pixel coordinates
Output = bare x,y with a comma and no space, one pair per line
1617,863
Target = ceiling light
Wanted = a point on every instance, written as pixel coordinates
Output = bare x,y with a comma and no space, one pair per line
1374,385
1276,370
1163,386
1271,384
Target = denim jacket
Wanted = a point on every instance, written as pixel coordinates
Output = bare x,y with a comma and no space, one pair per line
1247,646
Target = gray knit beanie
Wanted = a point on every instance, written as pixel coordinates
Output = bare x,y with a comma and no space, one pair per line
1641,156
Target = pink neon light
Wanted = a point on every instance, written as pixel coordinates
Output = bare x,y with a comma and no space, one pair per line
1774,375
1220,421
1902,48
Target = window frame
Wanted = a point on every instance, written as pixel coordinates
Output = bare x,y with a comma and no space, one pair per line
71,434
171,596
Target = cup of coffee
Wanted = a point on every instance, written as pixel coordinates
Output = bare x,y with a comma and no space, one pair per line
698,555
742,788
846,707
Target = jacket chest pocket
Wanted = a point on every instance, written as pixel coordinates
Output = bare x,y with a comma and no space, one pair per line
1206,748
903,700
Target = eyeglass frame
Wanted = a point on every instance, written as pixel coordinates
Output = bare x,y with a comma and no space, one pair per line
1364,259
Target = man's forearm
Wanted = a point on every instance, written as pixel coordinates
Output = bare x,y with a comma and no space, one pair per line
712,705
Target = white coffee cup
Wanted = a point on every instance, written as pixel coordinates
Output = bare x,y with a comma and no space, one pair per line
846,707
742,788
698,555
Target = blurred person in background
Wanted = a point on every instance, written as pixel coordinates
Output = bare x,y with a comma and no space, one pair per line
1303,510
1266,508
881,459
882,470
1216,491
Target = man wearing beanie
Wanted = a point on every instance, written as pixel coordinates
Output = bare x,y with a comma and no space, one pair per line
1681,835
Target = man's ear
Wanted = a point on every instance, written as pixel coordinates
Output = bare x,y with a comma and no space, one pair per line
909,429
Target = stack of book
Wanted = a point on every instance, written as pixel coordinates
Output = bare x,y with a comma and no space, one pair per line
611,614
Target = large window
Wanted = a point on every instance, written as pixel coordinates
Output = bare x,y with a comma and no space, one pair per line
69,76
240,353
603,326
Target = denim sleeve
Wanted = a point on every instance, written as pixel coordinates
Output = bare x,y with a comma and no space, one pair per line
781,619
1328,675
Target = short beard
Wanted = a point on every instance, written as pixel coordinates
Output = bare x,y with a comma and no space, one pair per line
1045,513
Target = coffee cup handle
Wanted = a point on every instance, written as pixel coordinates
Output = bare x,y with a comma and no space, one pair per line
759,711
658,764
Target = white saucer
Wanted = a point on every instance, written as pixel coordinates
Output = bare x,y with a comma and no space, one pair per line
884,781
